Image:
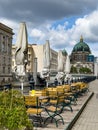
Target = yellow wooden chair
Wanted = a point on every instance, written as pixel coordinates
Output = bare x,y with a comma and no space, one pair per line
54,111
60,90
69,95
52,94
34,107
84,87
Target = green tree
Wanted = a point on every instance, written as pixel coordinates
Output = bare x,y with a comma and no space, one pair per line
73,69
85,70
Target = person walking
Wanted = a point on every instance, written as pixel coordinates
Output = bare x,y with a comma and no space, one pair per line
56,82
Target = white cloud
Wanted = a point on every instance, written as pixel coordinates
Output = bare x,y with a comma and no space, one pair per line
60,37
37,33
87,26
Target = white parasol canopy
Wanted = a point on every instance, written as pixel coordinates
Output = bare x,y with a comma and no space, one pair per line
46,55
21,54
21,49
46,59
60,61
67,65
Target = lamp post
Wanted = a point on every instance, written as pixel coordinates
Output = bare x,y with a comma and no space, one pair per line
21,78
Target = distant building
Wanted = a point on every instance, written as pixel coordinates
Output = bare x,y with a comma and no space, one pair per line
90,58
36,51
6,35
96,66
81,56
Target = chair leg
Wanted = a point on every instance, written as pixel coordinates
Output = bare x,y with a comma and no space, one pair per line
53,117
38,120
41,120
67,105
70,108
61,118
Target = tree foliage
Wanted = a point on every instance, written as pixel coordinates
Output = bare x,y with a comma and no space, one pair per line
85,70
73,69
13,114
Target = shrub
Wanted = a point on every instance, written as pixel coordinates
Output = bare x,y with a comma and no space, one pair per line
13,114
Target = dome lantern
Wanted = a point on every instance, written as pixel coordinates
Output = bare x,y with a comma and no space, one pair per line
81,39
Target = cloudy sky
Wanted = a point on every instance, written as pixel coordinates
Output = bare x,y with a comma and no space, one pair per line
62,22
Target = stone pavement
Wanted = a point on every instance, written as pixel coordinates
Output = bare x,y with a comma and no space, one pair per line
89,118
69,116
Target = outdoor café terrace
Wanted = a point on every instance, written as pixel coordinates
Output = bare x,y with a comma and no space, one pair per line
57,107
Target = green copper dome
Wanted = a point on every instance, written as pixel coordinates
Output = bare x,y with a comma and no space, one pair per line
81,46
64,52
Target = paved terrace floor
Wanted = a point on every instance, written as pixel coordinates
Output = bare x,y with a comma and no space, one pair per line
89,118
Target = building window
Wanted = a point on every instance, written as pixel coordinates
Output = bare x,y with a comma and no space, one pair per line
4,70
80,58
9,60
76,57
3,80
9,48
3,47
28,49
3,60
28,63
29,56
9,79
8,69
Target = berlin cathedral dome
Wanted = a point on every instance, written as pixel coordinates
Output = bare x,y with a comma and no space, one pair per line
81,55
81,46
80,51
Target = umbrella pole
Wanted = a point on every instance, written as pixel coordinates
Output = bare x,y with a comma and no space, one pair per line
22,87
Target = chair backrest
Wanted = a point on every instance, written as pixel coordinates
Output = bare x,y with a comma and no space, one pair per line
38,93
52,93
67,88
60,90
44,92
61,99
31,101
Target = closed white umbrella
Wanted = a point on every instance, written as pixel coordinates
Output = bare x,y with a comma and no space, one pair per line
67,65
21,45
21,53
46,60
67,68
60,61
60,74
47,55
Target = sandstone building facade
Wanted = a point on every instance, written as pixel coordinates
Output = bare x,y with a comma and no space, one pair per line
6,35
